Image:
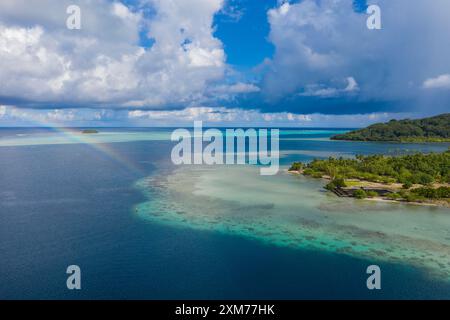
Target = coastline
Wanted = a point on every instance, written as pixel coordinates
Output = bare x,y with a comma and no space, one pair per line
403,141
391,187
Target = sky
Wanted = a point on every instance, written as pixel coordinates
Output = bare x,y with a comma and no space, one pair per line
308,63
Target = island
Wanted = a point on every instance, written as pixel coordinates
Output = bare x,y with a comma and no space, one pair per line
434,129
416,178
89,131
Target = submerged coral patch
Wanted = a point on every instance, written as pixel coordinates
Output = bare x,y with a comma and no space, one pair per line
283,211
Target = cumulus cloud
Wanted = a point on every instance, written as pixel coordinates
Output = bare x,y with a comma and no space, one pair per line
321,42
214,115
221,116
2,111
12,115
352,85
211,116
318,90
185,117
239,87
440,82
163,55
42,62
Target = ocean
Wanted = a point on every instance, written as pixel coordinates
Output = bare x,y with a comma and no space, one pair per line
141,228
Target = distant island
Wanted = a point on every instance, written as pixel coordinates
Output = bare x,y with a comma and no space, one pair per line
434,129
417,178
89,131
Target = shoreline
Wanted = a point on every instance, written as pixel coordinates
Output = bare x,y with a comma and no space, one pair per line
438,203
396,141
427,204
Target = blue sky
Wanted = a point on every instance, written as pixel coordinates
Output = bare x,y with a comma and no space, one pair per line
243,28
247,62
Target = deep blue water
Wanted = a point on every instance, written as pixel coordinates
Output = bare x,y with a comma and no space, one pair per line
70,204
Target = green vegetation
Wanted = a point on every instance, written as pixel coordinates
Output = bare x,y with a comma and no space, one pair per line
407,185
435,129
417,177
423,169
89,131
336,183
407,196
422,194
360,194
432,193
296,166
394,196
372,194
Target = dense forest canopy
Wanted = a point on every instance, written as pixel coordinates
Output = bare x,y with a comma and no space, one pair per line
434,129
423,176
417,168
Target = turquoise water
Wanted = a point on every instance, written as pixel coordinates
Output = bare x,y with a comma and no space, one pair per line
294,212
141,228
73,136
23,137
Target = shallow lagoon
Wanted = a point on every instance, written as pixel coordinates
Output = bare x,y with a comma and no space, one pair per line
295,212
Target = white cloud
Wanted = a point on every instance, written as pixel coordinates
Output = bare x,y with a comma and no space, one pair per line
57,117
237,88
222,116
234,12
352,85
185,117
218,115
319,41
318,45
200,57
317,90
2,111
42,61
440,82
284,9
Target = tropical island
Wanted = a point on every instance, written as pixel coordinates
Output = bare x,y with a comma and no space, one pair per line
89,131
417,178
434,129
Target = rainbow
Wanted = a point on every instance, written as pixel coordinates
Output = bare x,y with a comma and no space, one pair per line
103,148
74,135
